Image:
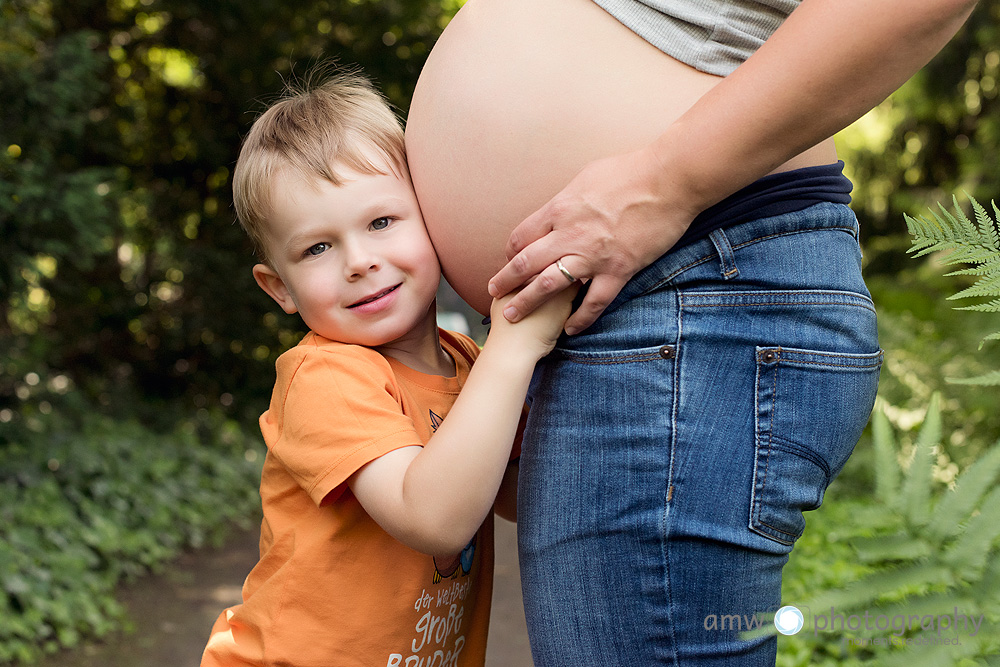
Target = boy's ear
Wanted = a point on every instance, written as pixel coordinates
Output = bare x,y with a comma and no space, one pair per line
271,282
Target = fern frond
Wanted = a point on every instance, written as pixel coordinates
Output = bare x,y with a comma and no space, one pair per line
992,336
897,547
966,231
957,506
968,254
927,234
986,268
916,489
989,231
922,230
886,467
866,590
965,242
991,307
972,550
932,604
985,593
991,379
986,286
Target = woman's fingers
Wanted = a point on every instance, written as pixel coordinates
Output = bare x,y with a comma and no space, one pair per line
611,220
600,294
525,266
532,228
550,281
526,257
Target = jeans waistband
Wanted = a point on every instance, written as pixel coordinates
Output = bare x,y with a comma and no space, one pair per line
722,242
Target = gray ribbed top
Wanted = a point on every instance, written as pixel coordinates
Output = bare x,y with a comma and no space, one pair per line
714,36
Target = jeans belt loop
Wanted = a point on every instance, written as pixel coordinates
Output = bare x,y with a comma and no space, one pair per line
726,257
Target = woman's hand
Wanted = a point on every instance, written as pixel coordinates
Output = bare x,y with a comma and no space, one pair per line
829,63
612,220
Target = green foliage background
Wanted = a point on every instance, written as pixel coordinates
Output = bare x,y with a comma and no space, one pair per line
126,297
136,352
121,270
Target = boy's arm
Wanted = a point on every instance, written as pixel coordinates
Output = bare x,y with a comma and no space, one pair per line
506,502
434,498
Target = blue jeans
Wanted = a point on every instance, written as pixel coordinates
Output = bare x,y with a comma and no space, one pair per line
673,446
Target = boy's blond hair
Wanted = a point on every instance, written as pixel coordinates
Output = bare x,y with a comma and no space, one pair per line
313,130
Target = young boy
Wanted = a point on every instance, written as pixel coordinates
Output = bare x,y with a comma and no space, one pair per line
374,460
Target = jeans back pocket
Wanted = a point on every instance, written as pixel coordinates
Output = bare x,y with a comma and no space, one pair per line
811,408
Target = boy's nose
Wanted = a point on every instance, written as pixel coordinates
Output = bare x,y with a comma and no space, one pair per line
359,261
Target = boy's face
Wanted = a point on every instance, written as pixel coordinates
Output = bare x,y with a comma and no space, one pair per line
353,260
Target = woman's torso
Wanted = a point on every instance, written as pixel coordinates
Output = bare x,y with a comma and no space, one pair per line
515,98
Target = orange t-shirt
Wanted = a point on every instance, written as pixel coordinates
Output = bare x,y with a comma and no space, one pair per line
332,588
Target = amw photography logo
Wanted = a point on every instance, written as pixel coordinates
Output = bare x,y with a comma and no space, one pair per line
864,628
788,620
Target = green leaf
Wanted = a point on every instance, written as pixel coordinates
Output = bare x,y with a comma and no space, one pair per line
955,507
977,543
991,307
886,467
990,379
916,490
988,231
897,547
866,591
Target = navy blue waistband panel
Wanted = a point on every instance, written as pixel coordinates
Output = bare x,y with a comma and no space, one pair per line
774,194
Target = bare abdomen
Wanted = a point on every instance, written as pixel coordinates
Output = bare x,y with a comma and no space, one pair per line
515,98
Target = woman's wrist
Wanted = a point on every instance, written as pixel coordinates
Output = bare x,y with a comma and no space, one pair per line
685,175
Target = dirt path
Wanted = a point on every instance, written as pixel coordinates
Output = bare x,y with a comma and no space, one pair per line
171,613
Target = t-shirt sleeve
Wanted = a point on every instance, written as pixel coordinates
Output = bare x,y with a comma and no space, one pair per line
340,411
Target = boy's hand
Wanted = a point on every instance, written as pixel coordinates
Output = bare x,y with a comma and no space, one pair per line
539,330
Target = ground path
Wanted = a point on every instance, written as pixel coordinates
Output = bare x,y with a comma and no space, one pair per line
172,612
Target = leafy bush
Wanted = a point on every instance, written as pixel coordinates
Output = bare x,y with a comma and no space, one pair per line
929,548
926,552
82,510
928,347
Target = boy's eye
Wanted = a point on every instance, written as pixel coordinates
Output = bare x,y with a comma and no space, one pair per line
318,249
379,223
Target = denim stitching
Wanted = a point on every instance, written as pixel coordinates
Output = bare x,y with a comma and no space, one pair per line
701,260
796,449
754,498
724,249
758,523
781,303
678,349
649,356
770,436
758,239
830,365
770,440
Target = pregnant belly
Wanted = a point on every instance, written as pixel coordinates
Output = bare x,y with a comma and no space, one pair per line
516,97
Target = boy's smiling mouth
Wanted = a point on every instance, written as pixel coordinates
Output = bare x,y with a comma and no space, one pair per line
375,297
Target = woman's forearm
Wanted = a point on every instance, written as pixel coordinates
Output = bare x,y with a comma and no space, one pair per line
826,66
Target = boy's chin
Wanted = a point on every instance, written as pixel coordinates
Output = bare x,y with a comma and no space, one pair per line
376,338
